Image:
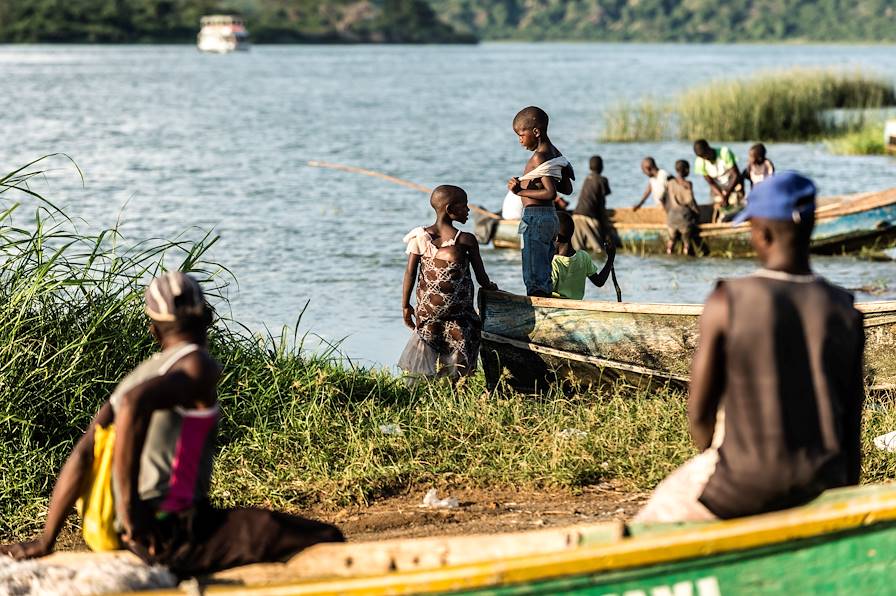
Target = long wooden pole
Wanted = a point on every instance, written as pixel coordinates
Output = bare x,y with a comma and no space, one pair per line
413,185
393,179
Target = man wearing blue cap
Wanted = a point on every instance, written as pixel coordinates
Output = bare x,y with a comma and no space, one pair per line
776,390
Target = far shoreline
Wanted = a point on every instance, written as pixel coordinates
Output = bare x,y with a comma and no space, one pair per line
482,42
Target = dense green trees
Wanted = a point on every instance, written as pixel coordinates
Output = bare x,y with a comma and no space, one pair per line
178,20
675,20
439,20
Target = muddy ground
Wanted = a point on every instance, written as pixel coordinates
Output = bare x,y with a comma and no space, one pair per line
479,511
484,511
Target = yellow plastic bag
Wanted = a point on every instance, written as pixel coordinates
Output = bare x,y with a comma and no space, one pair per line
97,504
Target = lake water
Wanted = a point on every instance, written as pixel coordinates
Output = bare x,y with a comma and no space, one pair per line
169,138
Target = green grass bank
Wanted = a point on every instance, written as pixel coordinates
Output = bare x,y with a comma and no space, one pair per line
789,105
299,429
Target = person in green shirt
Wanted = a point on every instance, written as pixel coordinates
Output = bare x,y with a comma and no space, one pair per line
570,268
718,167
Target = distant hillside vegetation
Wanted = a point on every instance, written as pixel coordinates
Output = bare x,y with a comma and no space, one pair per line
674,20
147,21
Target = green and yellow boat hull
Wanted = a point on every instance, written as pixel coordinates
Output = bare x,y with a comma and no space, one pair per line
843,543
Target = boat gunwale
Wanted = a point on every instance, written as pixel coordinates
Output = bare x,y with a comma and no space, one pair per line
832,519
647,308
830,208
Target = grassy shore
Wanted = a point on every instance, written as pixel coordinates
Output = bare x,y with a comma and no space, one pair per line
791,105
299,429
867,140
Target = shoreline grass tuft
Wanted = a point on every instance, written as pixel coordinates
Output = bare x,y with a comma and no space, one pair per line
789,105
868,140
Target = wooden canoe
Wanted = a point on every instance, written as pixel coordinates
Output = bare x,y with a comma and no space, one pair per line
843,542
539,341
847,223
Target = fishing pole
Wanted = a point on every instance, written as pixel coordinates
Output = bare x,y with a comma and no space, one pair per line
603,243
394,179
413,185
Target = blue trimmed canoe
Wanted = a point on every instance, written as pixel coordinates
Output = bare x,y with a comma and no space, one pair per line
852,223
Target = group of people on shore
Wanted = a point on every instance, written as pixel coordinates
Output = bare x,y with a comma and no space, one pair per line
775,397
777,379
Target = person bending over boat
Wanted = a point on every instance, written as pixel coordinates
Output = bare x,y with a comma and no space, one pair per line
776,390
592,224
719,168
447,330
546,173
165,415
657,182
570,268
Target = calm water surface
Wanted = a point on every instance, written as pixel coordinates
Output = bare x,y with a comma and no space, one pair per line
168,138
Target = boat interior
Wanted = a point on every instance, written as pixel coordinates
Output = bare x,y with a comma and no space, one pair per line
827,207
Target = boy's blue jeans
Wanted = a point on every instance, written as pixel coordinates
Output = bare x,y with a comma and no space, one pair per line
538,229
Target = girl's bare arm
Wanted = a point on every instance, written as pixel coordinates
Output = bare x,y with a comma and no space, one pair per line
469,242
410,276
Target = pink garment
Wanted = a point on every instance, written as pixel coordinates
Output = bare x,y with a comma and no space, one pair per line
195,428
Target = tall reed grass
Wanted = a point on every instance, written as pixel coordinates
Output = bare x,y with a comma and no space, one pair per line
790,105
867,140
299,428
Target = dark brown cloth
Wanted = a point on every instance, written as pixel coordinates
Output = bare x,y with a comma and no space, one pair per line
592,201
205,539
593,205
793,396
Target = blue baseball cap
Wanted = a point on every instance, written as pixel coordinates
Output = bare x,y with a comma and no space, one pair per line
785,196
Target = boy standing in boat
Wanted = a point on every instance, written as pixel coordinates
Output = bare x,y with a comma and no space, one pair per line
165,415
777,383
546,173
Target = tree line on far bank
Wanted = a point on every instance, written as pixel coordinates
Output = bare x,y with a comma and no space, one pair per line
447,21
269,21
674,20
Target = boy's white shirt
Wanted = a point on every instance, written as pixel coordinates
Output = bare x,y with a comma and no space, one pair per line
552,168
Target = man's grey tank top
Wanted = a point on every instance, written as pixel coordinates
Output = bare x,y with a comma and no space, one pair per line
793,394
176,461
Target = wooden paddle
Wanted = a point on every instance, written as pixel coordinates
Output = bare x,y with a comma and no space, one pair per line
387,177
613,274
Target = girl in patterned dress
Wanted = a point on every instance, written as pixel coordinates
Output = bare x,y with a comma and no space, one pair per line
447,330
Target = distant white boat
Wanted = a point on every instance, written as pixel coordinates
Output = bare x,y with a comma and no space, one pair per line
221,34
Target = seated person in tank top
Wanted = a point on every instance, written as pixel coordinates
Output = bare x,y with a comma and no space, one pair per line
777,386
166,416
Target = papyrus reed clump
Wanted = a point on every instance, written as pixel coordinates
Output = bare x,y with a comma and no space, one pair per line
791,105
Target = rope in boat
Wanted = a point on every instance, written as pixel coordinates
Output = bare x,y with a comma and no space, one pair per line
393,179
